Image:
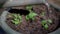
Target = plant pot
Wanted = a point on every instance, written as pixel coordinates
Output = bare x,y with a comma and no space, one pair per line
9,30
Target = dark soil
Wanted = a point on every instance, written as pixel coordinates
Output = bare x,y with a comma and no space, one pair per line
35,27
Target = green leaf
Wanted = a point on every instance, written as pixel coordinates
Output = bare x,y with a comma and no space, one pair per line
30,11
13,21
27,18
17,19
31,15
20,17
46,26
28,7
16,22
15,15
49,20
44,21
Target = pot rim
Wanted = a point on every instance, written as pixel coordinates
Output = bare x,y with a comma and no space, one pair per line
5,26
54,5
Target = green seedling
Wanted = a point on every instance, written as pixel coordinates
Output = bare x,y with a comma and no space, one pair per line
44,23
17,19
29,7
31,15
49,20
46,26
27,17
14,15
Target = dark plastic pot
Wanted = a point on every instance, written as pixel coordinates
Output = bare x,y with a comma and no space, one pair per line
10,30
